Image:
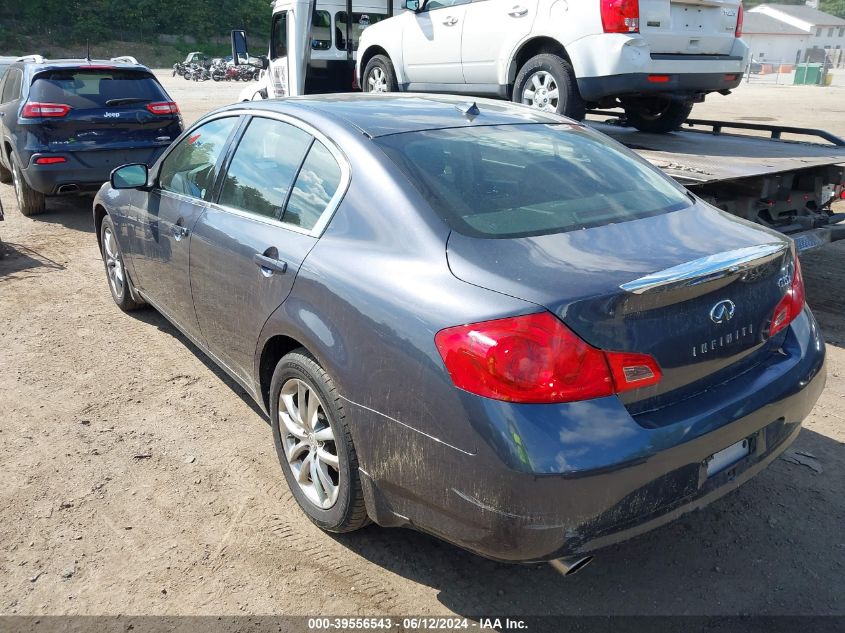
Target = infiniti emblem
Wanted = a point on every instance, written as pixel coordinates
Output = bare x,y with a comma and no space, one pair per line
723,311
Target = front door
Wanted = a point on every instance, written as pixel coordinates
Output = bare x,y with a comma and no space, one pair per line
431,43
247,248
290,50
160,246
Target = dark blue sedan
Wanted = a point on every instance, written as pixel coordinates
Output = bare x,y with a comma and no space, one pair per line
480,320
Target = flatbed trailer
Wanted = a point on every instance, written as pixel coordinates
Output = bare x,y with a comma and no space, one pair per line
775,180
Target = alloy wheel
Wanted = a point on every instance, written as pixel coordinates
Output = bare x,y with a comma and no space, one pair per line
309,443
377,80
541,91
114,265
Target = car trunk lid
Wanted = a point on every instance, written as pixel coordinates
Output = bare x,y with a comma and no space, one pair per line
689,27
694,288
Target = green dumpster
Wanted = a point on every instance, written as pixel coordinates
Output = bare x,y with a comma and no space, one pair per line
800,75
807,74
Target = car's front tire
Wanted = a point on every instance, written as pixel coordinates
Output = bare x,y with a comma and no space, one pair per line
30,201
115,268
314,444
656,115
379,75
547,82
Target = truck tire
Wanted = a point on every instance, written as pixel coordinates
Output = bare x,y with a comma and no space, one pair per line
656,115
547,82
379,75
30,202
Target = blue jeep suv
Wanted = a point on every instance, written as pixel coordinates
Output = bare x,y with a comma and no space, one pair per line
65,124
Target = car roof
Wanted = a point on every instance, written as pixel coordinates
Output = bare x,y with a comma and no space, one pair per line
383,114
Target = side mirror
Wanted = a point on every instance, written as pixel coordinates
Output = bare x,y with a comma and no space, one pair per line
129,176
265,63
412,5
240,51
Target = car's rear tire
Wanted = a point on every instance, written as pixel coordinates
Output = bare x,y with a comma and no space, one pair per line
116,274
547,82
656,115
30,201
379,75
315,448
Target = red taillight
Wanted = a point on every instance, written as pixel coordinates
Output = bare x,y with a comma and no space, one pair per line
658,79
536,358
50,160
163,107
739,17
788,308
33,109
620,16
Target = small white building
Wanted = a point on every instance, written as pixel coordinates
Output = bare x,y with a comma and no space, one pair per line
773,41
820,31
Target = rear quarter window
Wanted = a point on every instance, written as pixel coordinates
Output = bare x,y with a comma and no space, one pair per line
81,89
511,181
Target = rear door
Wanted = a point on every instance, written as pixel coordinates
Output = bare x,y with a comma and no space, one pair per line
689,27
431,42
159,243
278,191
490,27
112,116
290,50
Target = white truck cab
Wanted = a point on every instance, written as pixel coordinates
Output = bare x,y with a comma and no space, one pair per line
312,46
653,57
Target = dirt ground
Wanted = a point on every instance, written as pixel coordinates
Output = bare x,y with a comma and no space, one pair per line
137,478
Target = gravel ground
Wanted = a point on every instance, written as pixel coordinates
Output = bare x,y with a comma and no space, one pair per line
137,478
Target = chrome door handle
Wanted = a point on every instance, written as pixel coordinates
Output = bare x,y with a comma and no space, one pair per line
179,232
269,265
517,11
450,21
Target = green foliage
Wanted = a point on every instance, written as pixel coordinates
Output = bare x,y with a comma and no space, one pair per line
75,21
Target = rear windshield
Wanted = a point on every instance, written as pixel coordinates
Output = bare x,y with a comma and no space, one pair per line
96,88
520,180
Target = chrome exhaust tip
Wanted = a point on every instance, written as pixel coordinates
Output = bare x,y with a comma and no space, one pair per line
570,564
68,189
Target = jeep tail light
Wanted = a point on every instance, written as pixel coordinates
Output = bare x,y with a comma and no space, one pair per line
50,160
163,107
536,359
788,308
34,109
739,17
620,16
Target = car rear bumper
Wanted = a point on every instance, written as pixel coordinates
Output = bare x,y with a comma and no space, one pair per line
628,61
547,481
82,172
682,84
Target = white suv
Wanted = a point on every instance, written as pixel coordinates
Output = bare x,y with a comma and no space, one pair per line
655,58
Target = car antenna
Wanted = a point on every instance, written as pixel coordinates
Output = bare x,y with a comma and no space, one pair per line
469,110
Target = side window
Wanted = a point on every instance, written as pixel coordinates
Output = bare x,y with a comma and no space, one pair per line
264,166
279,37
321,31
12,86
431,5
189,168
315,186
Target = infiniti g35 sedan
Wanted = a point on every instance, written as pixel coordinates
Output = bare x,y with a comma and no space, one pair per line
480,320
